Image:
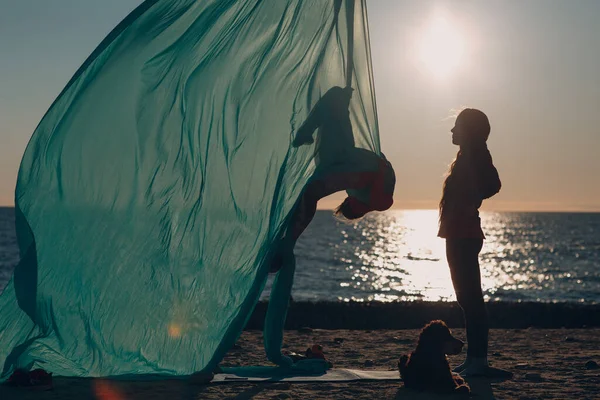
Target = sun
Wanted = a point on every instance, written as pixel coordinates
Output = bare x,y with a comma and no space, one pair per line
440,47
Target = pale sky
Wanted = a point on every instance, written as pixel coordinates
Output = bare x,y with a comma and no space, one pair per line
533,67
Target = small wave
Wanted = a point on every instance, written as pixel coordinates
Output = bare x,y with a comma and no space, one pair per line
415,258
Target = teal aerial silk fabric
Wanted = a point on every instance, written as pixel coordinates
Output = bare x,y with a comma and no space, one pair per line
157,188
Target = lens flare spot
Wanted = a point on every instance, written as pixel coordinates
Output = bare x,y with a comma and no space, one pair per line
174,330
105,390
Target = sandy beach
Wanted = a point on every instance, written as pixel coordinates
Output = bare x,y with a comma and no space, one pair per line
547,363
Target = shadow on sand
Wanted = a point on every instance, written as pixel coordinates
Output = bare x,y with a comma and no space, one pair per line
181,389
104,389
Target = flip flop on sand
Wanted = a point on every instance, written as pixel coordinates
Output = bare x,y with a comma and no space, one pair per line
313,352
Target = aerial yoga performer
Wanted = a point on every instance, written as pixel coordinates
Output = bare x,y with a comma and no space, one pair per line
172,172
367,177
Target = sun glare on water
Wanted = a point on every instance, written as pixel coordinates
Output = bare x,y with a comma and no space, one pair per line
440,47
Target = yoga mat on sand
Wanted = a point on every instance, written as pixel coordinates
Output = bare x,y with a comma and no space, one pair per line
333,375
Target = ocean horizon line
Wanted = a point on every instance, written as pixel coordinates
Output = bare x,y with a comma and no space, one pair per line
516,210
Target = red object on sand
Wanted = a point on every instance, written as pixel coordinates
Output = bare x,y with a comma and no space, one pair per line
37,379
316,351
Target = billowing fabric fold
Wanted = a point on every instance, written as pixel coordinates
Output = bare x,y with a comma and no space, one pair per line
155,191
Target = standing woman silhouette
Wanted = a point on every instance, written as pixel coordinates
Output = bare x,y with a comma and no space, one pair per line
471,179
